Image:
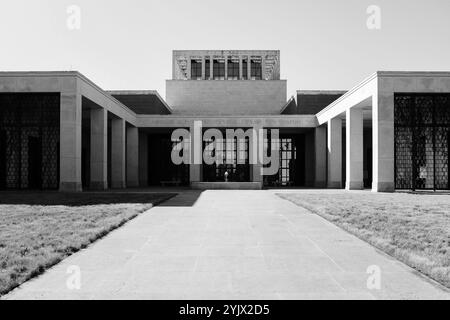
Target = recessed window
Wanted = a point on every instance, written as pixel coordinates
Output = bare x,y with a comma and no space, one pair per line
207,68
219,69
233,69
256,72
196,69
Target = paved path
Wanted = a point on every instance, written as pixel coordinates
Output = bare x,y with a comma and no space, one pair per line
229,245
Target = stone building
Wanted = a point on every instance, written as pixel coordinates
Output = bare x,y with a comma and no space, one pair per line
58,130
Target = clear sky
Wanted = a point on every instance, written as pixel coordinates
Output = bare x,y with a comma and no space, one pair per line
324,44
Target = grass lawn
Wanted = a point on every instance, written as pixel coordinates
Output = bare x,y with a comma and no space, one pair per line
37,230
414,228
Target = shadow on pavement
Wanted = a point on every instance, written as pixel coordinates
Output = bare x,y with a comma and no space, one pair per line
183,199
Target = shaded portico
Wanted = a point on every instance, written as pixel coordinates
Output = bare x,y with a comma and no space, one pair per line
91,135
286,124
371,104
61,131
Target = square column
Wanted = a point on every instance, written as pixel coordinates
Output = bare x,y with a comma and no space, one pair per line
188,73
320,152
334,146
383,161
226,67
143,159
263,68
211,69
118,153
203,68
132,157
256,172
240,67
99,149
255,169
249,68
70,142
195,166
354,149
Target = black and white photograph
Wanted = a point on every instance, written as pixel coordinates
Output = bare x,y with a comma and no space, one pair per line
224,155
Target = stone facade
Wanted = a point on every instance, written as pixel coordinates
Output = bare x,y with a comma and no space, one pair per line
218,92
334,148
226,97
269,59
373,100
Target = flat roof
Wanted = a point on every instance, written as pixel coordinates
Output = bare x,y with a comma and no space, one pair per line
142,101
316,92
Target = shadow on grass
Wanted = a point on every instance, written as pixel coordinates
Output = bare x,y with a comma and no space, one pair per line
54,198
88,224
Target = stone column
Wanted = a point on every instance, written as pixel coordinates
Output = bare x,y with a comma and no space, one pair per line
70,141
383,171
211,69
99,149
263,67
195,167
249,68
334,144
256,174
118,153
226,67
143,159
203,68
132,157
354,149
320,152
188,68
240,67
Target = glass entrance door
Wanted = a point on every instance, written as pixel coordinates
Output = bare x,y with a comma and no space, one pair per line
232,159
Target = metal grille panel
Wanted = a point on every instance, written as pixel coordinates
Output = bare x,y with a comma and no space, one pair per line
422,123
25,117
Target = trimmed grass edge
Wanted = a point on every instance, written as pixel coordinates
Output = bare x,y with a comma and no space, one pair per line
98,236
389,250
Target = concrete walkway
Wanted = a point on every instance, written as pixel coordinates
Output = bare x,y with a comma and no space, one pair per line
229,245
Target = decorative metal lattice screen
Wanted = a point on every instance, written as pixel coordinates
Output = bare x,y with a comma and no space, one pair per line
29,127
422,141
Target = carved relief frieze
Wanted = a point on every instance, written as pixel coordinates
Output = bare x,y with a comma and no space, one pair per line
270,63
182,65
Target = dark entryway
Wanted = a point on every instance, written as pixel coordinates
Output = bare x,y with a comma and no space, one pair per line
2,159
292,162
232,160
161,169
85,145
367,161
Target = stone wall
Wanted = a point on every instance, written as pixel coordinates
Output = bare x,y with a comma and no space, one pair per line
226,97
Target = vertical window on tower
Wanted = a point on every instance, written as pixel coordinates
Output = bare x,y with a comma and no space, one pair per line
219,69
196,69
244,69
207,68
233,69
256,72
